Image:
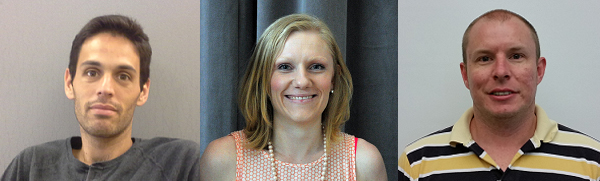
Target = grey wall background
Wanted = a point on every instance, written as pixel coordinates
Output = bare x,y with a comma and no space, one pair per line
431,94
35,41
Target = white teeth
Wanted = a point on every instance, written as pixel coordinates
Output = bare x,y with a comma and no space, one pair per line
501,93
300,98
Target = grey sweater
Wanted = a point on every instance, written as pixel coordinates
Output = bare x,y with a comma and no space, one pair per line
153,159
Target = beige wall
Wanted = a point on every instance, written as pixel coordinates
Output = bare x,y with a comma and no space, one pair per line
35,41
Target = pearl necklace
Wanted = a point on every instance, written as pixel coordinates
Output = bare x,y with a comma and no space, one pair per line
272,159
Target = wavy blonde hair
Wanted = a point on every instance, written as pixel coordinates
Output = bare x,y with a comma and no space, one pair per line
255,89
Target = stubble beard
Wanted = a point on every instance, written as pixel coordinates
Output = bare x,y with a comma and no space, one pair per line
102,126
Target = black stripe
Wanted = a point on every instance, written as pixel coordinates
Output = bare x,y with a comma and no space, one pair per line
476,149
567,129
435,151
527,147
524,175
564,128
445,130
402,177
464,176
569,151
493,175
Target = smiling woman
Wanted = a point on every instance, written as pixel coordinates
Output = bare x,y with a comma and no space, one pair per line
294,97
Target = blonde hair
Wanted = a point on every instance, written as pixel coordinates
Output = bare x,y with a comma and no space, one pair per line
254,90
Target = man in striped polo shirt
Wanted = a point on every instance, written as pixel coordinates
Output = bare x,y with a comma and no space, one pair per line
505,135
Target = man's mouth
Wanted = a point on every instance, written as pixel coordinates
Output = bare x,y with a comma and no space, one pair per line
103,107
503,93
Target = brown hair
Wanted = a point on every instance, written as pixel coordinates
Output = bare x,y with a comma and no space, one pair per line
255,89
116,25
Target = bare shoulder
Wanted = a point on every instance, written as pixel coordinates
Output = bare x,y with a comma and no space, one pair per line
218,162
369,163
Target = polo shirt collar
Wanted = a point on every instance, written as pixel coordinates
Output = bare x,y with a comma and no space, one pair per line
545,130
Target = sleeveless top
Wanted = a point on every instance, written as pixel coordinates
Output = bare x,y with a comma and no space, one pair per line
255,165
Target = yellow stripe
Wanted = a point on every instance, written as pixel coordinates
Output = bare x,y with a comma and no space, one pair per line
489,159
405,166
470,161
563,137
437,139
460,162
559,164
516,157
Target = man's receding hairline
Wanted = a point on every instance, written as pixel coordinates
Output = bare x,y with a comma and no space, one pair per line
500,15
494,15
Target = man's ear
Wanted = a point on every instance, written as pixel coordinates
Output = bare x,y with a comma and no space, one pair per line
144,93
463,72
69,85
541,69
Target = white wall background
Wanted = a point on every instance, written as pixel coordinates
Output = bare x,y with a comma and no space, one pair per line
35,41
431,95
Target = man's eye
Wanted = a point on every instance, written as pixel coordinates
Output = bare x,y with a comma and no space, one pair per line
91,73
124,77
284,66
317,67
516,56
484,59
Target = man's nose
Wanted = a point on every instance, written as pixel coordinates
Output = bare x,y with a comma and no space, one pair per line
501,70
106,87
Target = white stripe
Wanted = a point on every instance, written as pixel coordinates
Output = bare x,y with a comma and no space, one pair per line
440,157
483,154
455,171
404,172
591,162
535,143
551,171
470,143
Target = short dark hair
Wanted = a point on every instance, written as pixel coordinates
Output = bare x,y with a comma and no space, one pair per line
500,15
116,25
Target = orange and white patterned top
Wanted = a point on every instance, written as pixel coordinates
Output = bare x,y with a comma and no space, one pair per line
255,165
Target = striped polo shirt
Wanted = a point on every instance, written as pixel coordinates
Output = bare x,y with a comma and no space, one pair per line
555,152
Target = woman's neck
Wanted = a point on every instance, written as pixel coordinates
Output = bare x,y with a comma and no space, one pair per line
295,142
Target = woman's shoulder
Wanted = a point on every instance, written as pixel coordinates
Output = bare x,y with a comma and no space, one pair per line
218,162
369,163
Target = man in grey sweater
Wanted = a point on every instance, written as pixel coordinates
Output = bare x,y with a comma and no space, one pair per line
107,77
